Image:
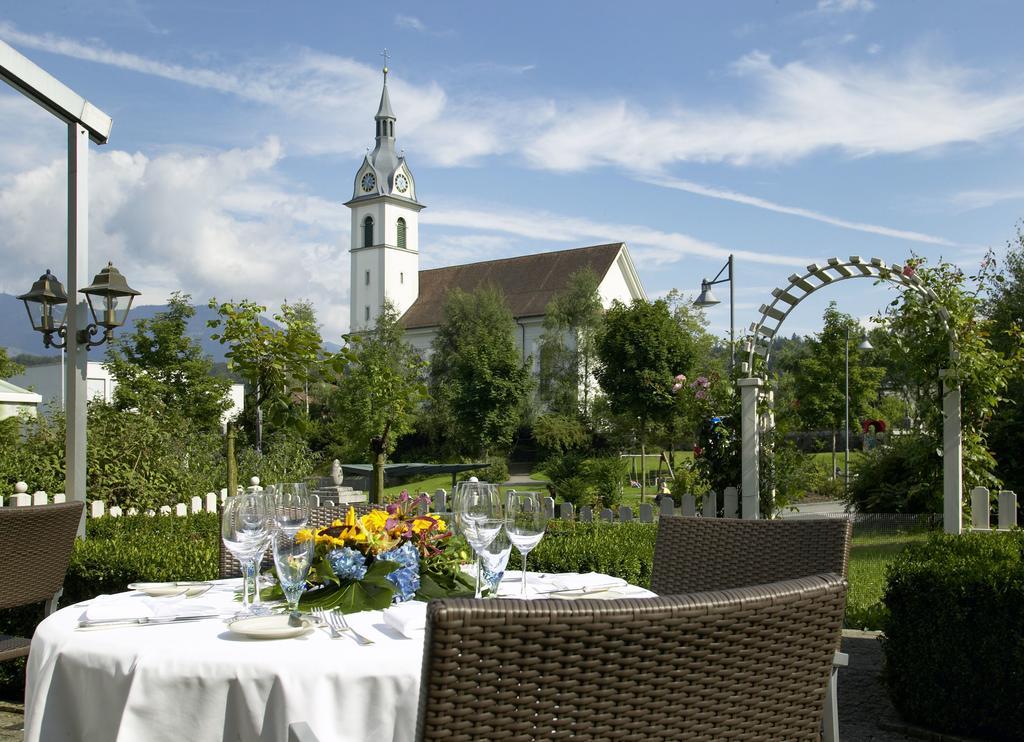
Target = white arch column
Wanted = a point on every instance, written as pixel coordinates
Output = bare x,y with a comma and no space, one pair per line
750,436
952,455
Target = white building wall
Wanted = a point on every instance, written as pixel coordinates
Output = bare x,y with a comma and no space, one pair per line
394,272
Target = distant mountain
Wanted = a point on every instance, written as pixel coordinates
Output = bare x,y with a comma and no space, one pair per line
17,335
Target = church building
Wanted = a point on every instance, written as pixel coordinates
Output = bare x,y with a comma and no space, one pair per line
385,257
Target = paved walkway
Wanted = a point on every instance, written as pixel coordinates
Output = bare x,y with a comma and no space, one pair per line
11,722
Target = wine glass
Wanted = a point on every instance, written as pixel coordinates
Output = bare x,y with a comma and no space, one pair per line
245,528
494,560
525,521
292,558
480,518
291,506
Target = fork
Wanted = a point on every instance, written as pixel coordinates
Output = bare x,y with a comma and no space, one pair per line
338,624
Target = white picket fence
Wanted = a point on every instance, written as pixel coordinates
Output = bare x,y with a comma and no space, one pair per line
441,503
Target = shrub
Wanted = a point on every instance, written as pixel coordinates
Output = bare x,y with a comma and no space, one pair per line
623,550
954,632
607,476
902,477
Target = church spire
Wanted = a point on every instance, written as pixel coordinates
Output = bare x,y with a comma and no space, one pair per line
385,117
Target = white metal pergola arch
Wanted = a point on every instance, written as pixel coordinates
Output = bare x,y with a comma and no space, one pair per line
759,344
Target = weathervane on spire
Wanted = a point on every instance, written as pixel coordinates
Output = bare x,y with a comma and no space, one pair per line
386,57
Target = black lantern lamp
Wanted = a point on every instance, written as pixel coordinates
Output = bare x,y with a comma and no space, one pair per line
46,304
110,297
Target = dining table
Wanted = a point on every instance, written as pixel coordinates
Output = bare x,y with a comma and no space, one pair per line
198,680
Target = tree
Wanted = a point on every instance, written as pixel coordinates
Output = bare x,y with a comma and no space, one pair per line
275,361
1005,308
7,366
479,383
567,349
378,392
160,370
820,377
641,348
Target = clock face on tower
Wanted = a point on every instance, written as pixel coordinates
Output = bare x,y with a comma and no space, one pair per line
368,182
401,183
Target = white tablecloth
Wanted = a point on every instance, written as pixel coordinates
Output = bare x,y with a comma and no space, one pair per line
196,681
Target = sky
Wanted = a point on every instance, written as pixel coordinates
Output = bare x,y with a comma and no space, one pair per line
782,133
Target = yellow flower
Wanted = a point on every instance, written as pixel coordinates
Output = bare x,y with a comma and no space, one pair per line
375,521
304,535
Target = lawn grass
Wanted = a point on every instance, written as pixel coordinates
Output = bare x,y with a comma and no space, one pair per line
869,557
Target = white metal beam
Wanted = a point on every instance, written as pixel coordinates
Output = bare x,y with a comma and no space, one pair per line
53,95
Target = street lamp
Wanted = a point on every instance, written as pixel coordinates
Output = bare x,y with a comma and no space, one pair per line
109,296
708,299
864,345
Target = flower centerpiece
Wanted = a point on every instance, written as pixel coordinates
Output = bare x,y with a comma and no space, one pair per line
385,556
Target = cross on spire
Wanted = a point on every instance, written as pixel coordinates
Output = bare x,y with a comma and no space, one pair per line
386,57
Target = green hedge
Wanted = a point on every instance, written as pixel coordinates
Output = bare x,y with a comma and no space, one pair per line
954,635
623,550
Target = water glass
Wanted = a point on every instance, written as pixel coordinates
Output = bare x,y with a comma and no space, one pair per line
480,516
494,560
291,505
245,531
292,558
525,521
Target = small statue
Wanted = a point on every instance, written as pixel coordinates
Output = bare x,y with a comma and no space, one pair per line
336,474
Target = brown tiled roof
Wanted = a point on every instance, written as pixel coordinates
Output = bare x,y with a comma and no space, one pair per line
529,281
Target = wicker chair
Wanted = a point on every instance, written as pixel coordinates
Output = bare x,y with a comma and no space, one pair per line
318,516
720,553
749,663
35,547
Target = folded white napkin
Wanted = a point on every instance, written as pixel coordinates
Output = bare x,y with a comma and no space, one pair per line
135,606
585,582
408,619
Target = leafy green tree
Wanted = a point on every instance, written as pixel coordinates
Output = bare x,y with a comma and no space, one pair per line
567,349
7,366
161,371
378,393
479,383
276,361
819,375
641,349
1005,309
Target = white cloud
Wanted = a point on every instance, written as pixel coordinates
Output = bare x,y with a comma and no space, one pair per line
761,203
845,6
410,22
210,224
791,111
648,246
980,199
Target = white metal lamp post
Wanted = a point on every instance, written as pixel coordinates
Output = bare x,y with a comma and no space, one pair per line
864,345
708,299
84,122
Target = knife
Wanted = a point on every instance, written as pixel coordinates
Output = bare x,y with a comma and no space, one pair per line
86,623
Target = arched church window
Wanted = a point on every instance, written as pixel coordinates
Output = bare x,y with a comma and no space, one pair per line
367,231
401,232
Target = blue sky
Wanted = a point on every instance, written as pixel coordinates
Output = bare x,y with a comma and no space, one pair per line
784,133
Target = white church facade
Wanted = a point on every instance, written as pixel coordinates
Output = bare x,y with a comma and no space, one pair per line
385,254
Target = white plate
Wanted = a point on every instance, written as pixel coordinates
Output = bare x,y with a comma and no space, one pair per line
270,627
162,589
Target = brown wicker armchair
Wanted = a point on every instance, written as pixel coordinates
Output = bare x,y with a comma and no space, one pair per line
35,547
319,516
721,553
748,663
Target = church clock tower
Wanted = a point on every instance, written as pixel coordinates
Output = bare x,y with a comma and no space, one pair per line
385,227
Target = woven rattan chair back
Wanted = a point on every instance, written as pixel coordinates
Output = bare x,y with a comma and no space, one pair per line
319,516
692,554
35,548
750,663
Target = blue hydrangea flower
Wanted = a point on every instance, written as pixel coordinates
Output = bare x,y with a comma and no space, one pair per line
347,563
406,578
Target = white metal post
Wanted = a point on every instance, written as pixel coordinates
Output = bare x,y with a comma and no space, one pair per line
751,444
952,453
77,317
